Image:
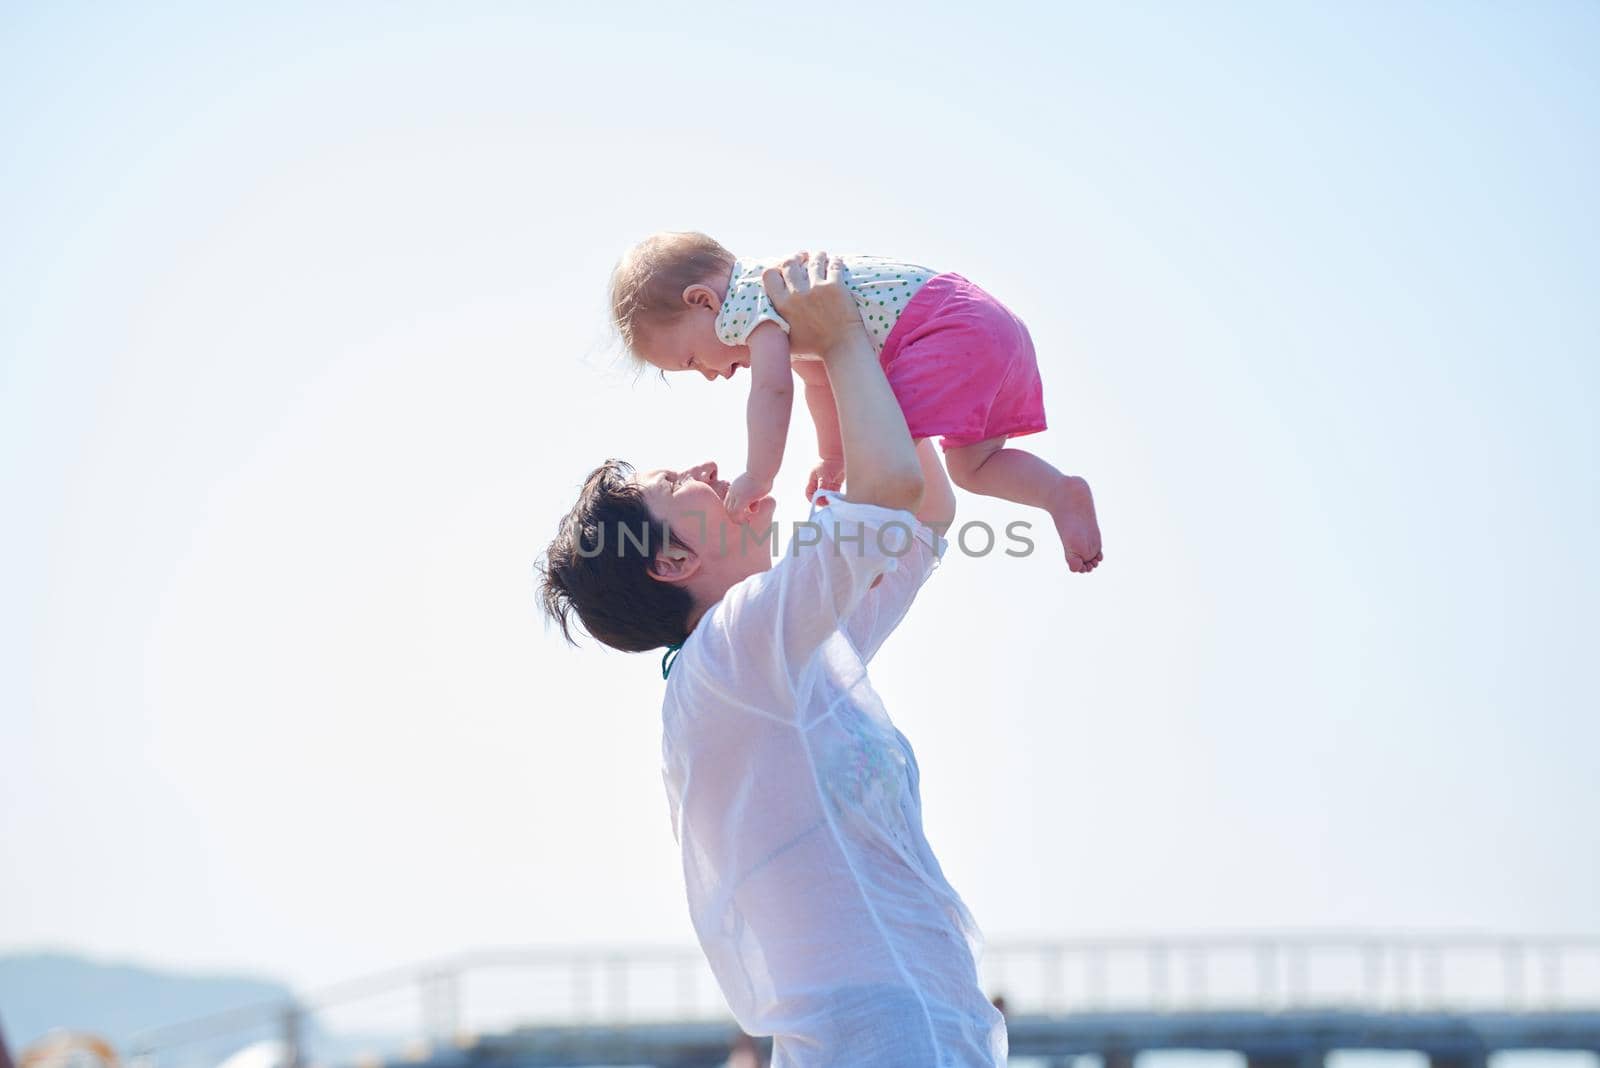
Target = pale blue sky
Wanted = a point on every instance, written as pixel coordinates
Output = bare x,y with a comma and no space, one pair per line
302,355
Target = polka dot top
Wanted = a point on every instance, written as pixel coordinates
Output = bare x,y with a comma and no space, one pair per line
882,289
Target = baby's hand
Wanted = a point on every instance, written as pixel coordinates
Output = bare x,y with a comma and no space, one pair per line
745,491
828,474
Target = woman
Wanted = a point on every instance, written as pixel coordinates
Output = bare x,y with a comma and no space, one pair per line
813,891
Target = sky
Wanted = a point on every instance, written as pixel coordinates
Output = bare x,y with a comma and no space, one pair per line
304,353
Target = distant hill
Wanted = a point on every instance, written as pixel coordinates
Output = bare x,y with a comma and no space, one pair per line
43,991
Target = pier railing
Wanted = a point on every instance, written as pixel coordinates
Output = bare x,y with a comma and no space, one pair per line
1352,971
453,1001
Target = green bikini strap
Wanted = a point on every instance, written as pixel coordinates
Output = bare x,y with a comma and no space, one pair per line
670,657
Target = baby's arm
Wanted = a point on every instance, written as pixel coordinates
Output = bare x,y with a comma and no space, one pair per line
766,417
829,471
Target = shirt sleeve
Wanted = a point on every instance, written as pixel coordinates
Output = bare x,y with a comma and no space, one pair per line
746,307
818,587
886,603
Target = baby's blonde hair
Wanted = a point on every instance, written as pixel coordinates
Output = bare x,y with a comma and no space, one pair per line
647,285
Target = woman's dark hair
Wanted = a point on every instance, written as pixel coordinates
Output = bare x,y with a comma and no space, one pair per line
598,567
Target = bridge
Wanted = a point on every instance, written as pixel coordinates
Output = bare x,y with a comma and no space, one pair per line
1281,1001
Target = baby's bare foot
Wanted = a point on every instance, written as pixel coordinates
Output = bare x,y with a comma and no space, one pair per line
1073,512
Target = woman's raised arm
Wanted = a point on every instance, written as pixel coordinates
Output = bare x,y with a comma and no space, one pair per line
883,469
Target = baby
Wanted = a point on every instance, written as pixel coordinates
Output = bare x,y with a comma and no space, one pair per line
960,364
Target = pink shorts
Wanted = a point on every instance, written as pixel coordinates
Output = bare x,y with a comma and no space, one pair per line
962,366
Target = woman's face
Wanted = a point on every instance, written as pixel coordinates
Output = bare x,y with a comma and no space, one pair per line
691,503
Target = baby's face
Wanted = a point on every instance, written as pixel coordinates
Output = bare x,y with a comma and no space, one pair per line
690,343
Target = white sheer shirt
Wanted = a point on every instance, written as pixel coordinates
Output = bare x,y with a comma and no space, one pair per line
813,891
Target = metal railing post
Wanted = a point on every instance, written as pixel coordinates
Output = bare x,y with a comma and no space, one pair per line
1512,958
292,1054
582,990
1095,966
1402,974
1373,958
1055,983
1267,972
1158,975
1552,975
686,987
1198,961
618,988
1432,976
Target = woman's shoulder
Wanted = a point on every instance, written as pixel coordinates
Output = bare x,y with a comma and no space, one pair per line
728,661
721,629
743,604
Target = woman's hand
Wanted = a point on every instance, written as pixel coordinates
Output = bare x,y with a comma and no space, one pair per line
822,316
809,292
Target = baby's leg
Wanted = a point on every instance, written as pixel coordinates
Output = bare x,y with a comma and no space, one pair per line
993,470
